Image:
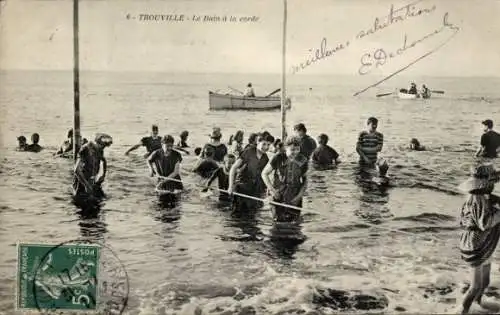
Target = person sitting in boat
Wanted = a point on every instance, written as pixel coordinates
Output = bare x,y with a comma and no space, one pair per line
151,143
222,175
34,146
249,166
236,143
291,168
307,143
220,149
166,163
249,92
425,91
413,89
415,145
324,156
206,166
88,165
21,143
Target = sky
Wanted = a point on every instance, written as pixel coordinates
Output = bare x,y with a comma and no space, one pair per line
37,35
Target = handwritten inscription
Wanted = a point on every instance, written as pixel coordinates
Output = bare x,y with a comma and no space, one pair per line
320,53
380,56
394,16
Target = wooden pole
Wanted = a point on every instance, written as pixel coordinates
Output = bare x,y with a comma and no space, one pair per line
283,75
76,83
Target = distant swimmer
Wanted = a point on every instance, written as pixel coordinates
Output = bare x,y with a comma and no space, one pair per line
490,141
220,149
222,176
21,143
88,165
249,92
34,146
152,143
166,162
415,145
67,146
324,156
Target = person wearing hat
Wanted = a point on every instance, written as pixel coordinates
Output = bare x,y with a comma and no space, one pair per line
480,220
151,143
91,154
490,141
166,162
34,146
307,143
21,143
219,148
249,92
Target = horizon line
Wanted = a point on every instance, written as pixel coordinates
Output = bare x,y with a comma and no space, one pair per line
237,72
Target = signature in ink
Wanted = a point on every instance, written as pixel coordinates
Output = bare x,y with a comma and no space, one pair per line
320,53
379,57
394,16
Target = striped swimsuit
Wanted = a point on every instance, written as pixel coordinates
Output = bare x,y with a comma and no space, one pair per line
368,142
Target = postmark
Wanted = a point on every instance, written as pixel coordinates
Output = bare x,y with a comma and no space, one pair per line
74,276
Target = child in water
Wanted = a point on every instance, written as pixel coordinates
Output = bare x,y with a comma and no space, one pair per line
479,218
222,174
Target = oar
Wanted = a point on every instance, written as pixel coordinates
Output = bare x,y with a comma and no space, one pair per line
384,94
235,89
438,92
273,92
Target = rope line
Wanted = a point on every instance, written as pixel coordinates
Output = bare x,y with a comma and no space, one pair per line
300,209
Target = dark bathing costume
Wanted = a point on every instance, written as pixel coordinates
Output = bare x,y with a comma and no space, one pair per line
249,180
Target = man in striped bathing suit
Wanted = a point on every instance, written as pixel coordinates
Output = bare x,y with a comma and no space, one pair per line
370,143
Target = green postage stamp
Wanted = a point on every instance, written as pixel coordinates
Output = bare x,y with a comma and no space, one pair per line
63,277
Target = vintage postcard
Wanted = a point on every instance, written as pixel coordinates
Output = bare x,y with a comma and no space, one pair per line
249,157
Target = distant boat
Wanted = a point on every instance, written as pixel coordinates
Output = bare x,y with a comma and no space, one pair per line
230,101
403,94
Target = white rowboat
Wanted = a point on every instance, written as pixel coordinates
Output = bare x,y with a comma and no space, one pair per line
218,101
